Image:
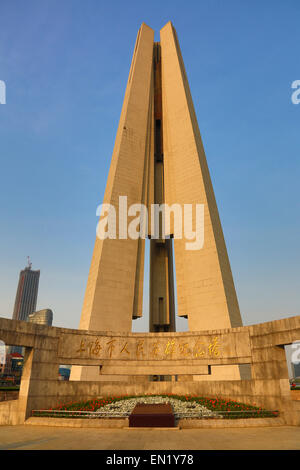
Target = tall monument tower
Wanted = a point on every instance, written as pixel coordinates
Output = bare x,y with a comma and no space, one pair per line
158,158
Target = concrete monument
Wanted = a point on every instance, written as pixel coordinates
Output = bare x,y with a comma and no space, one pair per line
158,159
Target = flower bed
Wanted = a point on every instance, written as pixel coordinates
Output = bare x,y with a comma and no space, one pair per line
183,406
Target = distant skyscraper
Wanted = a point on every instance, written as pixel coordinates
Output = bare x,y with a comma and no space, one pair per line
27,292
41,317
26,298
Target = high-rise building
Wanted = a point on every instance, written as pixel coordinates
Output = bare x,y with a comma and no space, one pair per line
27,292
41,317
26,298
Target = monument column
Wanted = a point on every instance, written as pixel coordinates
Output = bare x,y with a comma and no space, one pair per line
161,299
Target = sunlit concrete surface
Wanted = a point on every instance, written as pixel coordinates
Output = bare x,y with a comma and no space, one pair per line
52,438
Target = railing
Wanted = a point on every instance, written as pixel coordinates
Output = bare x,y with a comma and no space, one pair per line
80,414
178,415
230,414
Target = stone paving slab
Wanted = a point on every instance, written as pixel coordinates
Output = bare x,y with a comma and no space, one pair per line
53,438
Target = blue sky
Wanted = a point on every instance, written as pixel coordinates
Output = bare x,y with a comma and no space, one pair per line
65,64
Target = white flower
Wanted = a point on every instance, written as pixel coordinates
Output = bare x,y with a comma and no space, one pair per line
180,408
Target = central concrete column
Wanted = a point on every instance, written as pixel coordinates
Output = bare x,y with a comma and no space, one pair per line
162,304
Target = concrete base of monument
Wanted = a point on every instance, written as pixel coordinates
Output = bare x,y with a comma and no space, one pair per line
230,423
261,346
109,423
219,372
123,423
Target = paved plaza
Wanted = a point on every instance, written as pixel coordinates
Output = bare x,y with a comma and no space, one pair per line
25,437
